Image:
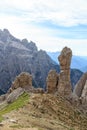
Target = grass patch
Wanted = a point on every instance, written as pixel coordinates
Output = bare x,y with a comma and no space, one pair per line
20,102
16,126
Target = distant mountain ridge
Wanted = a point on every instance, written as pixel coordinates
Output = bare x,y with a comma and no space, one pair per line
78,62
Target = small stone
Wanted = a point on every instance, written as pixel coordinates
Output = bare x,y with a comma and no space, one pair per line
1,125
13,121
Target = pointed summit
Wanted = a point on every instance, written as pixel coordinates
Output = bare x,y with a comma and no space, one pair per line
6,31
6,37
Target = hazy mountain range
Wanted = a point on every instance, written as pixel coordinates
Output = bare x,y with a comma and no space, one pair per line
78,62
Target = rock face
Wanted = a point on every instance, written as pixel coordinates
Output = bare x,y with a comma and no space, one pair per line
24,80
64,86
52,81
84,94
80,91
80,85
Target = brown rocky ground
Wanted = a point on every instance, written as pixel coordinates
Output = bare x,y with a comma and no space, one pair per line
45,112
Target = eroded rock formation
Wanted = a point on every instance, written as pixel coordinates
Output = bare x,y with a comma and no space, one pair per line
24,80
64,86
61,83
22,83
52,81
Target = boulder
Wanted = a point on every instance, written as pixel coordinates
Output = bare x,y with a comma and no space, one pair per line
52,81
64,85
14,95
3,97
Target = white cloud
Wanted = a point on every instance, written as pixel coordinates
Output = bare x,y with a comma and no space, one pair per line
65,12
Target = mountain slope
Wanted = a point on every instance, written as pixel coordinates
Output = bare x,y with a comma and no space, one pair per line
75,76
45,112
1,92
78,62
17,56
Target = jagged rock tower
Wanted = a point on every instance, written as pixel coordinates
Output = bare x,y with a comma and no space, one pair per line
64,85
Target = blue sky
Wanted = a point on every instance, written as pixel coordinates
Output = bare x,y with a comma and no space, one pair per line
51,24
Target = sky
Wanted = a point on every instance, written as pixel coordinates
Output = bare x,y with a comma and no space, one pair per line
51,24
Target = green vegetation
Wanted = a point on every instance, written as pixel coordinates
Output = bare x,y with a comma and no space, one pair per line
16,126
20,102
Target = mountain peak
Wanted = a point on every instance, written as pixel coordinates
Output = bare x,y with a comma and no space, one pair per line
24,40
6,36
6,31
